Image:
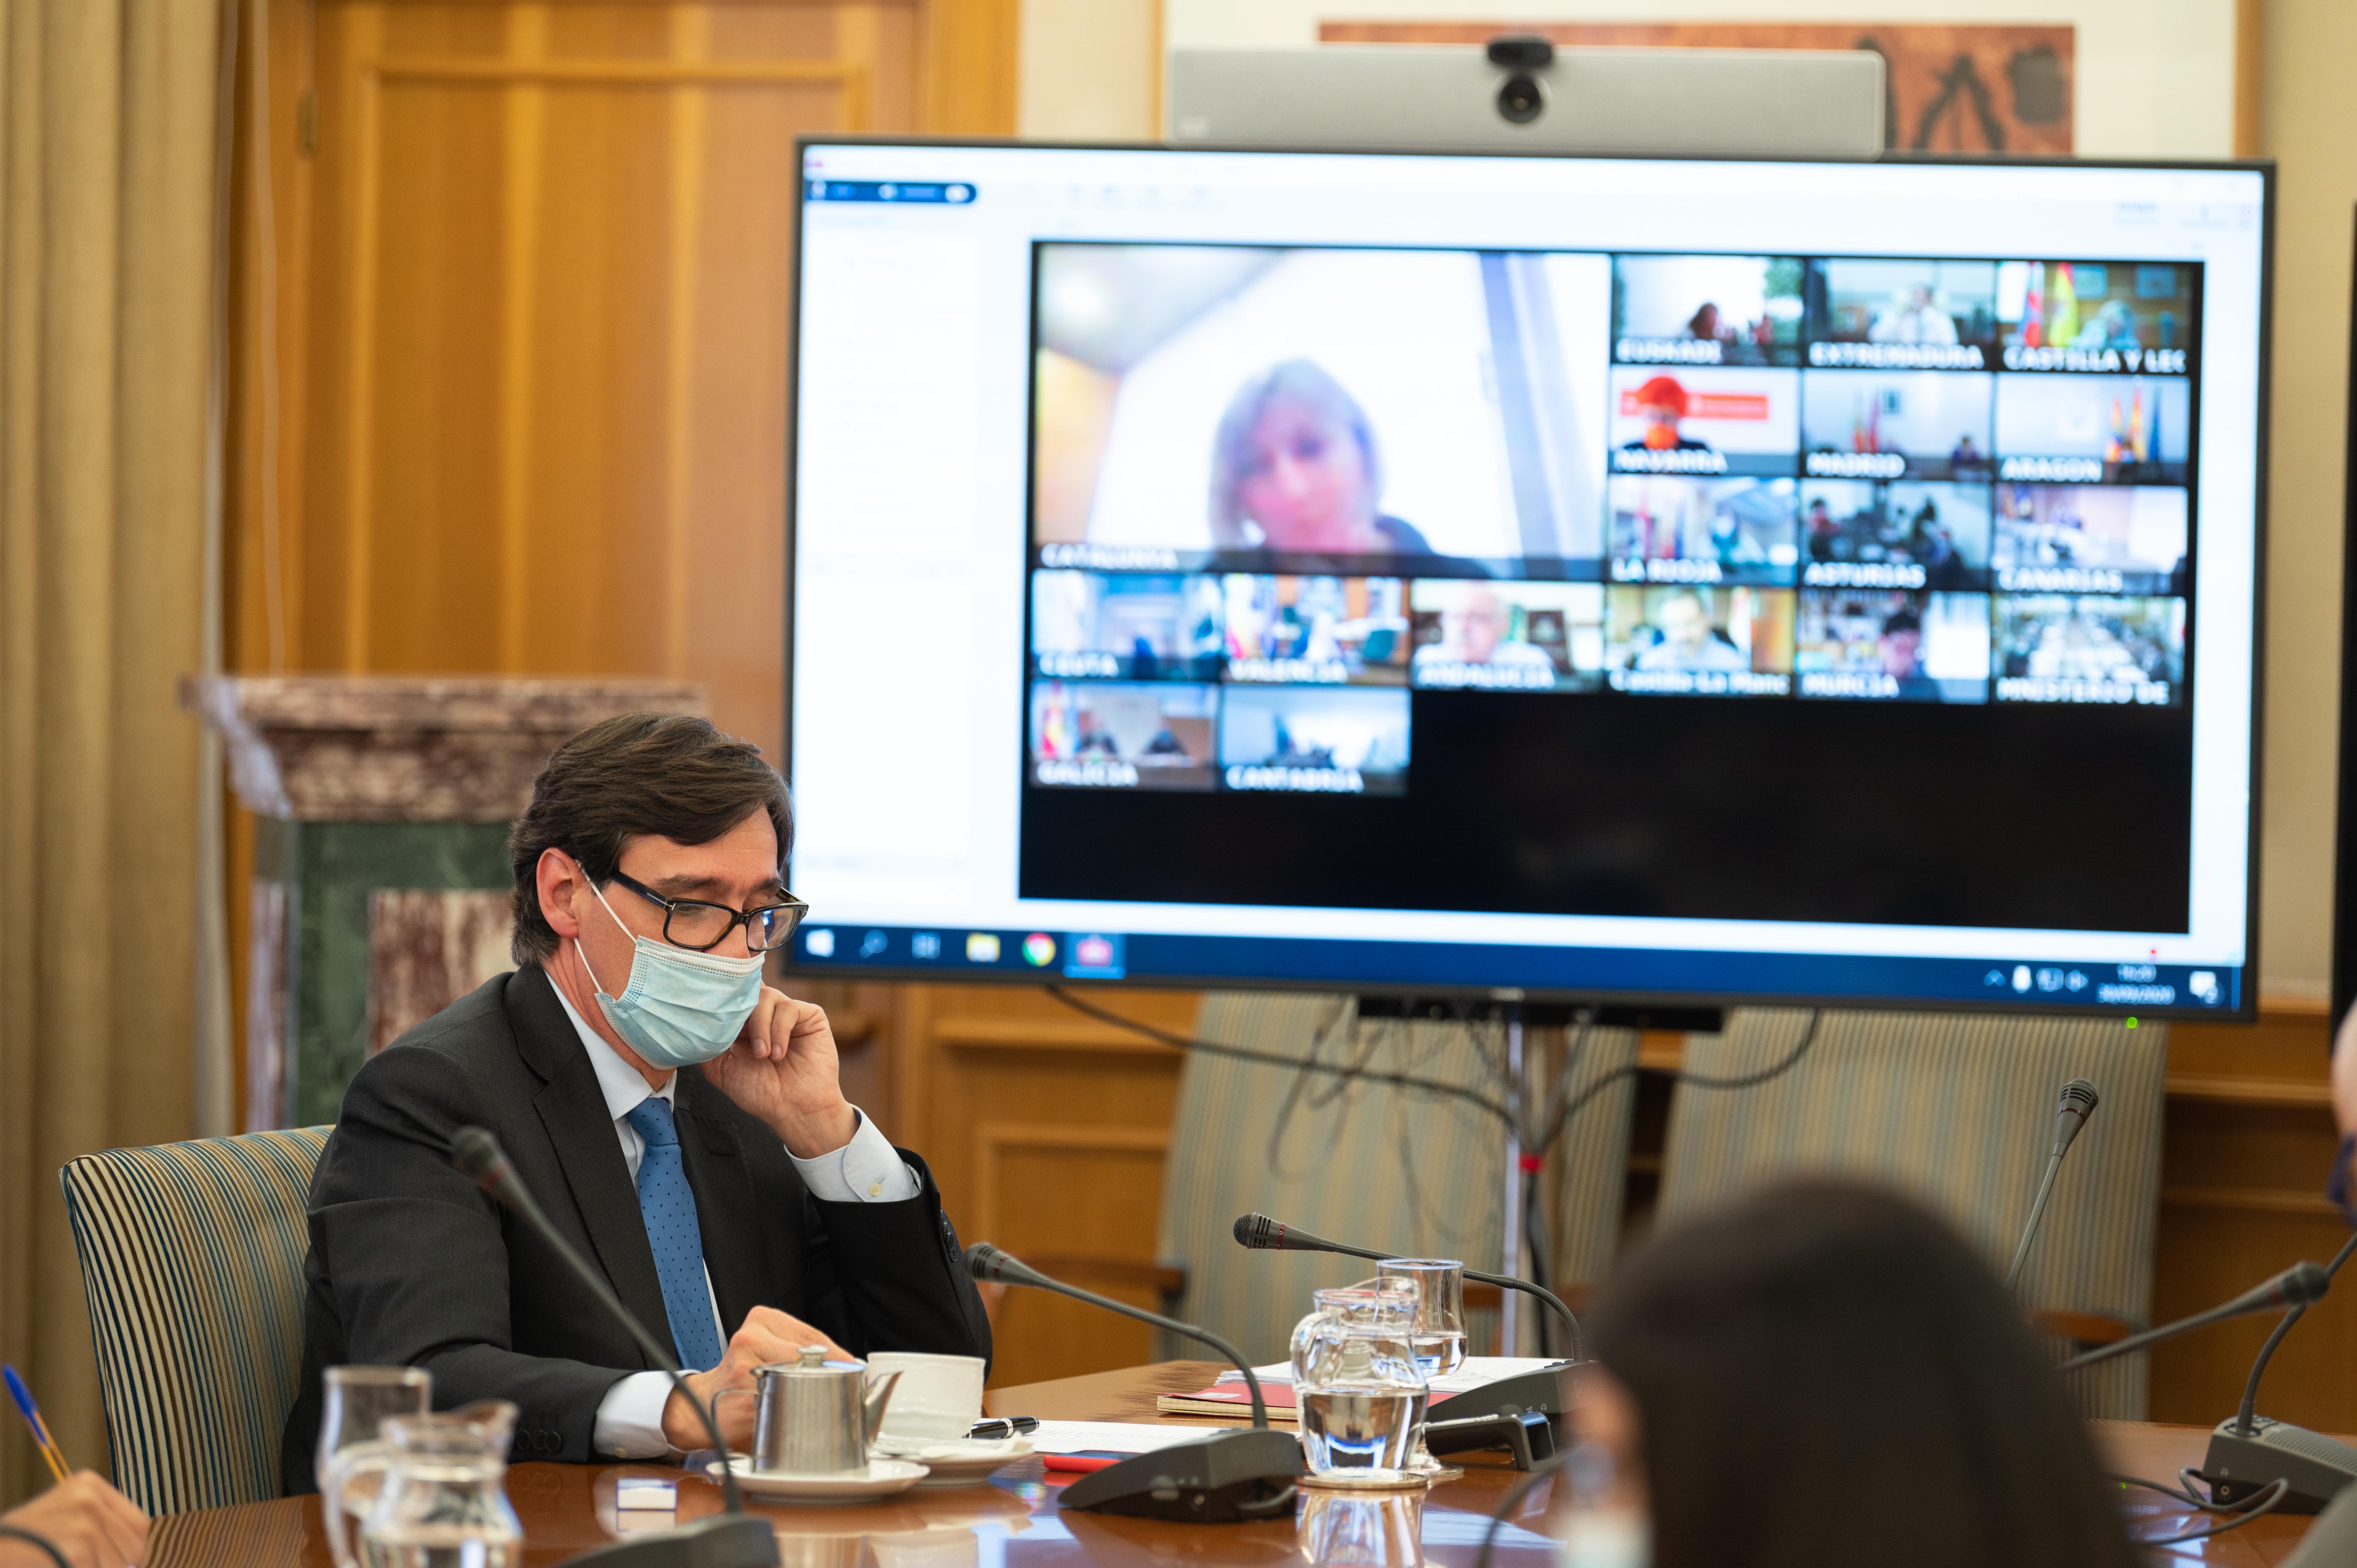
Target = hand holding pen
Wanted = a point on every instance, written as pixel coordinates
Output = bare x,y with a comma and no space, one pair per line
32,1414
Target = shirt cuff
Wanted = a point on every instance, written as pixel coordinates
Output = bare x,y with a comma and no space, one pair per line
629,1418
867,1169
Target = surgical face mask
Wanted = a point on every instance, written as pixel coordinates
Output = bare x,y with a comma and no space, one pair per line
1604,1529
680,1007
1605,1541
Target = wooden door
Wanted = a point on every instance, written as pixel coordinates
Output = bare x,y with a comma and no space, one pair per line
512,292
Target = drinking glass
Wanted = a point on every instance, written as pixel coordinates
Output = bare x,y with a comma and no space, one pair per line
1358,1392
357,1399
1436,1331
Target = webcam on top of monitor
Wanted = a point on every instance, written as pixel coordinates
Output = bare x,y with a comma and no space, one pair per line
1521,93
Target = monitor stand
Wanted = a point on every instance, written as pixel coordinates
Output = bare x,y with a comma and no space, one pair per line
1518,1014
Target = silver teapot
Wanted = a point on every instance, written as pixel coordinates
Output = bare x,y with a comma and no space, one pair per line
813,1416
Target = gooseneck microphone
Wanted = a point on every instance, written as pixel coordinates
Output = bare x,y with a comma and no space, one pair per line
1261,1233
2248,1452
732,1540
987,1264
2296,1287
2079,1101
1230,1477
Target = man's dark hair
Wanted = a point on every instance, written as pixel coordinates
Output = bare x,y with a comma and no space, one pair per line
1901,620
1825,1373
665,774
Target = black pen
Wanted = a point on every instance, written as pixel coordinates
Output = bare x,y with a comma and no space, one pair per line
1005,1426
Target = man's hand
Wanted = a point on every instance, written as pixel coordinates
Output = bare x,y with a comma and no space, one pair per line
94,1525
782,1069
767,1336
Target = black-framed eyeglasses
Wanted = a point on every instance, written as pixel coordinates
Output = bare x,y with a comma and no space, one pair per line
701,926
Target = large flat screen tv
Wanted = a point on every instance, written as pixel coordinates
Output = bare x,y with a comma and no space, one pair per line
1606,579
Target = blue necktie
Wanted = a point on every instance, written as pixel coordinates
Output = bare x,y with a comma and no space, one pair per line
668,1205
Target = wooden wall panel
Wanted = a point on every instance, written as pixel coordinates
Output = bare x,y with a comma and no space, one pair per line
2246,1151
563,261
1046,1130
511,298
1042,1189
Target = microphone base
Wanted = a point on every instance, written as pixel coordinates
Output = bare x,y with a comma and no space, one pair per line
1234,1477
2240,1464
1541,1392
723,1540
1528,1436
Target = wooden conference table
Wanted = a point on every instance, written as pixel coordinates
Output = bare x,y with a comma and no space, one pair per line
1014,1521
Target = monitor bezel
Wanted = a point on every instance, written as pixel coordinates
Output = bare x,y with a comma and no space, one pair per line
2246,1010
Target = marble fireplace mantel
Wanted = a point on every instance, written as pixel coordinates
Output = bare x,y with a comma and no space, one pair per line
407,748
380,886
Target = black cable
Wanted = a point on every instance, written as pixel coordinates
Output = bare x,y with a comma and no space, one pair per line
1534,1236
2184,1493
1739,1081
1574,1046
2261,1502
1271,1059
1514,1495
18,1533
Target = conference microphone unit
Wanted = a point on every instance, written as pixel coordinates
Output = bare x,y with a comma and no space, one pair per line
2079,1101
1229,1478
2296,1287
2248,1452
2331,1541
733,1540
1493,1415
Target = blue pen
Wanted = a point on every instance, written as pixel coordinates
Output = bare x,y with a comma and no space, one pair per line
32,1414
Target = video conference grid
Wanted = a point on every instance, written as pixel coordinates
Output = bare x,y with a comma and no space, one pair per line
1850,478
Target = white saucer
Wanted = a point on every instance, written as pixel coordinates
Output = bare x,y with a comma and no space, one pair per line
881,1479
955,1461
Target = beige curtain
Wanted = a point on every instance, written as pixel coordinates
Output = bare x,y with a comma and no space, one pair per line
107,132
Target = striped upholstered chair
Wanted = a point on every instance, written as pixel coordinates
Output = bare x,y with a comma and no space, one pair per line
1959,1111
192,1262
1370,1164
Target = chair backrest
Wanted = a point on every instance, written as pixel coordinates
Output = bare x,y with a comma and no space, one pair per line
1957,1111
1376,1164
192,1262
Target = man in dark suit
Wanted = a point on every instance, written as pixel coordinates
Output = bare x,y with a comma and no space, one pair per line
681,1122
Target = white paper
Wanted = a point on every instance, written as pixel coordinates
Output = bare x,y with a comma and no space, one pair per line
1475,1371
1115,1437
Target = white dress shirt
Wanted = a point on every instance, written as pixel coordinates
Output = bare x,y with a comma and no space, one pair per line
865,1170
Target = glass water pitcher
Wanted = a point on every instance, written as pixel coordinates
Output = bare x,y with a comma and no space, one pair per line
442,1502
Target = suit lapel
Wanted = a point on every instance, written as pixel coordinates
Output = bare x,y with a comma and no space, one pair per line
572,1110
735,1253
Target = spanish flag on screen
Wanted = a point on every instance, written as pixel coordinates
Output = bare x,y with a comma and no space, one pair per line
2066,308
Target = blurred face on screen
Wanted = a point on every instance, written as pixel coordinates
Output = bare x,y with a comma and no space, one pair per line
1684,624
1901,652
1305,482
1474,625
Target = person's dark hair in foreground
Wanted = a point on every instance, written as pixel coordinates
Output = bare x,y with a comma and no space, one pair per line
1825,1374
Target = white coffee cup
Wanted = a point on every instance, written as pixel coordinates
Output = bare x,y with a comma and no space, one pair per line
937,1396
